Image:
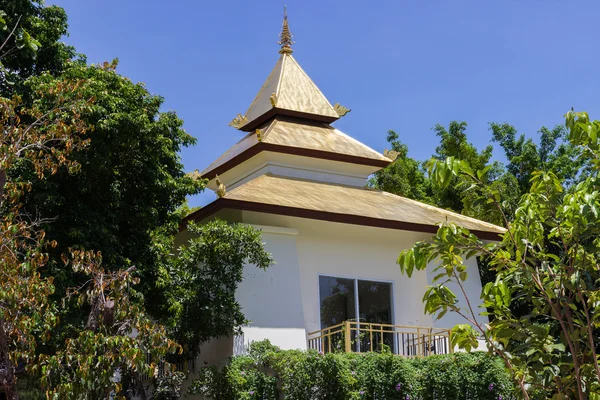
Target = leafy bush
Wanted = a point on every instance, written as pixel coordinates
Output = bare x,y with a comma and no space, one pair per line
463,376
268,373
168,386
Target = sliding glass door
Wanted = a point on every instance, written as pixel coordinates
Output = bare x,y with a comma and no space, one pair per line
343,299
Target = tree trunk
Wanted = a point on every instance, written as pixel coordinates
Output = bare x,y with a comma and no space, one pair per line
7,372
2,183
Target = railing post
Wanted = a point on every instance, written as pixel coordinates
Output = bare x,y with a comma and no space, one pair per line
348,345
429,344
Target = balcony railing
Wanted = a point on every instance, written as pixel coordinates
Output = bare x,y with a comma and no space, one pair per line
408,341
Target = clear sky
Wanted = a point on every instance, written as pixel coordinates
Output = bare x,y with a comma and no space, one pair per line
402,65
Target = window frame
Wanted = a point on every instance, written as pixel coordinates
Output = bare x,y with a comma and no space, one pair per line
356,295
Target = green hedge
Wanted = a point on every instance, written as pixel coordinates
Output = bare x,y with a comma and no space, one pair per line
269,373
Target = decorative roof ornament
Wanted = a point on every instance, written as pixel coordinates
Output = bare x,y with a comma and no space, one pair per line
239,121
259,135
285,36
221,189
391,154
273,99
340,109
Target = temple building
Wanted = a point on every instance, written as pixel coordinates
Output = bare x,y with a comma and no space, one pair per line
335,241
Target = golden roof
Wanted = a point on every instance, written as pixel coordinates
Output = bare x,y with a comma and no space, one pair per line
346,204
287,132
287,91
292,117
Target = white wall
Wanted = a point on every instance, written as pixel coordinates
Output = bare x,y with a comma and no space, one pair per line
326,248
283,302
271,299
361,253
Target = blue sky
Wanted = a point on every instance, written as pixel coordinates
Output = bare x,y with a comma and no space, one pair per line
402,65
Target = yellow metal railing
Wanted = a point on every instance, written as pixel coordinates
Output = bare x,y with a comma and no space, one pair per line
353,336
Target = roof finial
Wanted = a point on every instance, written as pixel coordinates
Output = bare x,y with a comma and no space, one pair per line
286,36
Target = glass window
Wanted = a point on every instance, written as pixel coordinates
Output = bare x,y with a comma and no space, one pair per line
375,307
342,298
374,302
337,300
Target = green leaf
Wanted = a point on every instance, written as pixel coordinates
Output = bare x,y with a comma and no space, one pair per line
464,337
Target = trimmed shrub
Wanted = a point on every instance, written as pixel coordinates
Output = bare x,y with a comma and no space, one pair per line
474,375
268,373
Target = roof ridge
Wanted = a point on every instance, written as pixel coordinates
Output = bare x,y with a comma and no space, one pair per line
269,128
264,85
239,187
281,73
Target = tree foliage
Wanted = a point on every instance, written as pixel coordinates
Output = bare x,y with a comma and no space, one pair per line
202,280
407,176
453,143
30,42
123,201
43,139
90,167
547,259
525,156
119,347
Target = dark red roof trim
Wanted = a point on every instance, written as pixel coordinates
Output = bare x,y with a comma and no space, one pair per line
277,148
255,123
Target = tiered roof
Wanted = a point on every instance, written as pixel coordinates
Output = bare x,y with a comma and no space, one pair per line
294,136
291,115
340,203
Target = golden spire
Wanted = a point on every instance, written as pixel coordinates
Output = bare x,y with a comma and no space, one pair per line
286,36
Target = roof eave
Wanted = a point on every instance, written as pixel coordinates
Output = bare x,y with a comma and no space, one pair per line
273,112
224,203
299,151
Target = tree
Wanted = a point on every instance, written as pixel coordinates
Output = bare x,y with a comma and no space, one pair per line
454,143
405,176
525,157
119,346
548,259
30,43
42,139
123,201
201,281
